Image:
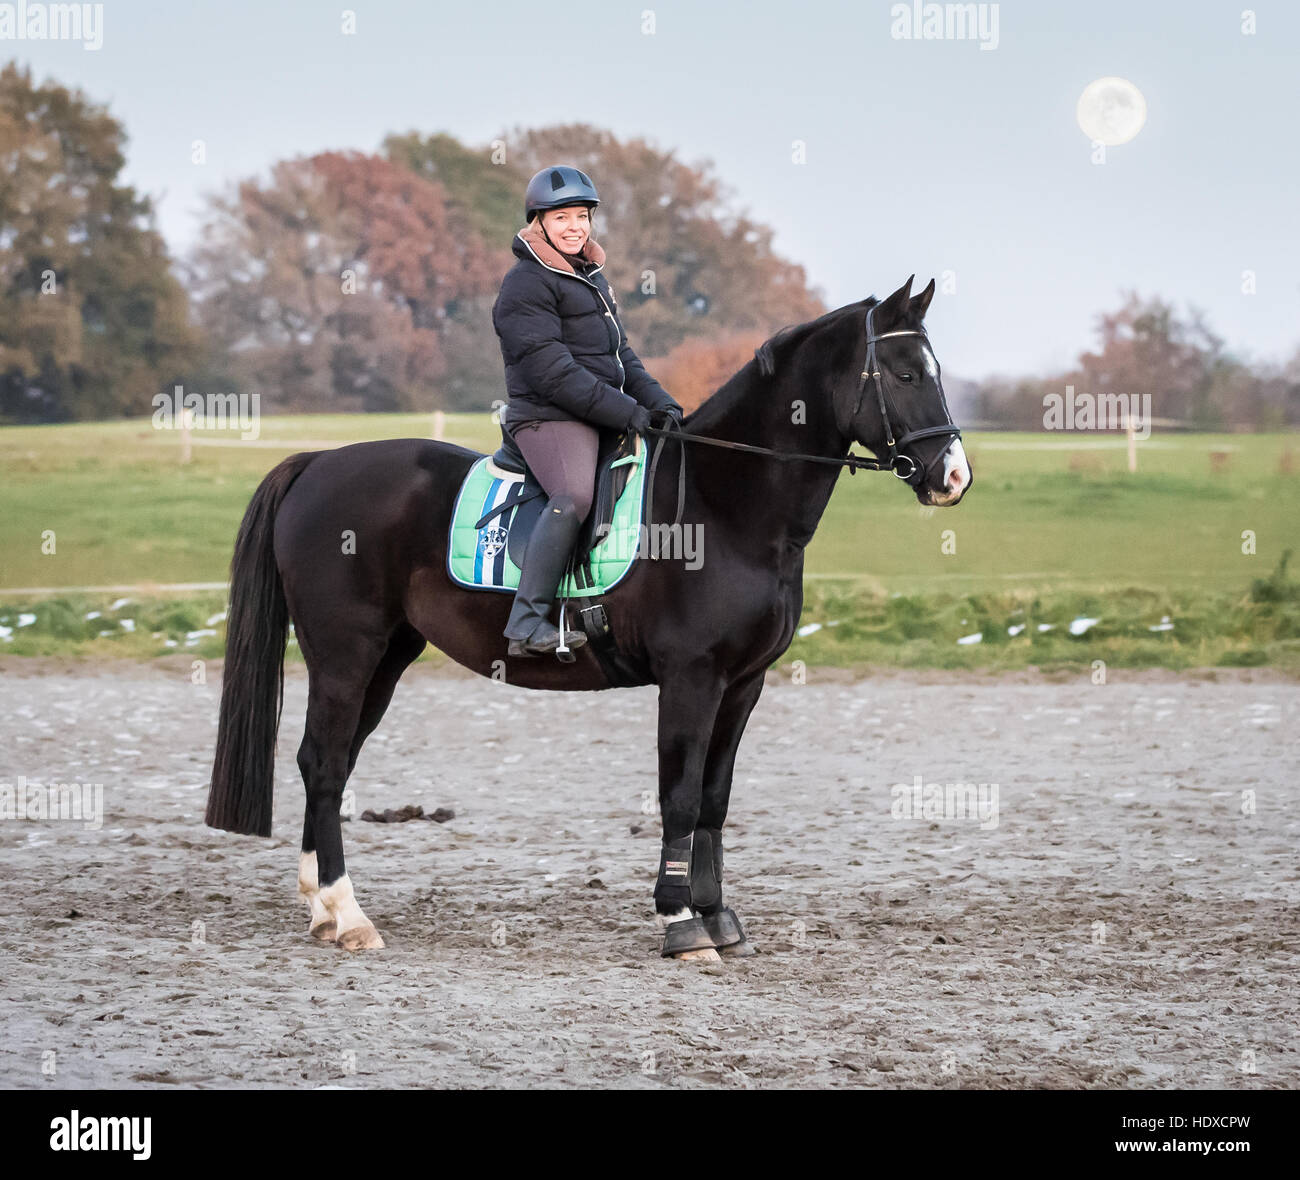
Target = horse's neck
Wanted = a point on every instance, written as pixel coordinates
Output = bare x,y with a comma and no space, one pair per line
778,502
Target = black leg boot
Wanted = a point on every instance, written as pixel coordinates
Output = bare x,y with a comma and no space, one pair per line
530,631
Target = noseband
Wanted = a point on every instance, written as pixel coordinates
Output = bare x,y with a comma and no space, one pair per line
914,472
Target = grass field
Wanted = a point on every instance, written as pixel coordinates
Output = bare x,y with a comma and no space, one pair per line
1054,526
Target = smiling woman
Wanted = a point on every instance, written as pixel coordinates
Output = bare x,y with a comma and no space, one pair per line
570,372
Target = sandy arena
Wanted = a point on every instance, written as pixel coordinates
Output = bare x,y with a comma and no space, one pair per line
1126,922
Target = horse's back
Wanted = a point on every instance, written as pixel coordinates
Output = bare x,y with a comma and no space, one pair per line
373,502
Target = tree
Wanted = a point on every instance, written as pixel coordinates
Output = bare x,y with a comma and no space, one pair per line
92,321
1147,349
488,198
331,287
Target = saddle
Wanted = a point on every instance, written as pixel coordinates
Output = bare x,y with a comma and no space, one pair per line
530,498
500,502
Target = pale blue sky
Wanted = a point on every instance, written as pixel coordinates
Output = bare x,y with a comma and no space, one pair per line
922,156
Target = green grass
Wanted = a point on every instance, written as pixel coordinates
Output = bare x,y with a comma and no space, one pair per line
1134,627
1055,528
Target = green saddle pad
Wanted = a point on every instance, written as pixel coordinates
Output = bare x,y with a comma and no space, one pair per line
480,558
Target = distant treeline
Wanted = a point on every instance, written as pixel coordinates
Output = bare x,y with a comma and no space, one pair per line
348,281
1174,364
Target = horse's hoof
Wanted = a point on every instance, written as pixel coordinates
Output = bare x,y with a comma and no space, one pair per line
707,955
361,938
326,931
737,950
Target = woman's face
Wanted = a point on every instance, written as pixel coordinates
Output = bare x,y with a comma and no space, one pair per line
569,228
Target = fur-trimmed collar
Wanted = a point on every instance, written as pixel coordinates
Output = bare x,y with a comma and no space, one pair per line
533,237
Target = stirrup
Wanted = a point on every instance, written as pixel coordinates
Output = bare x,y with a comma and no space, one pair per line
549,644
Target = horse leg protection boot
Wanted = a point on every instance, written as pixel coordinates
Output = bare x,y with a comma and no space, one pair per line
690,875
706,870
690,871
673,889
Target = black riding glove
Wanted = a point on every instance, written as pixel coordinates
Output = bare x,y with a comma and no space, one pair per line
660,416
639,423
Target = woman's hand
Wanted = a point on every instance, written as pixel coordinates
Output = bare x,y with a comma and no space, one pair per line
639,422
660,417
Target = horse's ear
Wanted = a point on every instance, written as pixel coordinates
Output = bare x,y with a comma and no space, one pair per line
921,302
891,309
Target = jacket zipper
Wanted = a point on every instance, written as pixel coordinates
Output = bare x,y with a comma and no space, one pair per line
574,275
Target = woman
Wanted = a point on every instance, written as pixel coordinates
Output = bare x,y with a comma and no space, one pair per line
569,372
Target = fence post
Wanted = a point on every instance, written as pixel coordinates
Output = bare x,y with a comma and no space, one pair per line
439,425
187,440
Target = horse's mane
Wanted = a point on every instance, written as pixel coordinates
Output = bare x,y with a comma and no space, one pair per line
789,337
774,351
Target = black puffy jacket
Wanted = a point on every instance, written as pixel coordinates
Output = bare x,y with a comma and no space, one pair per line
565,351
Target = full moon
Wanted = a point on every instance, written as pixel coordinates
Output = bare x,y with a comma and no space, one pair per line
1111,111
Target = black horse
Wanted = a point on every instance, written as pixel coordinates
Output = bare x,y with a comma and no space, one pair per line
350,545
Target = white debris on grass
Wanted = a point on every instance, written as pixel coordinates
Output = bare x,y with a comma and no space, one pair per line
212,622
1163,625
94,614
1047,626
1082,625
25,620
1015,628
119,604
127,624
978,637
809,628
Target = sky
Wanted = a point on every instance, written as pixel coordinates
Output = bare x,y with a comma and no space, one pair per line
938,157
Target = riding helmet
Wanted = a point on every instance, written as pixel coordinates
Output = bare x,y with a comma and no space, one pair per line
555,187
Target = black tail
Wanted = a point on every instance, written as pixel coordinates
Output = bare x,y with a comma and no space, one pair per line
252,684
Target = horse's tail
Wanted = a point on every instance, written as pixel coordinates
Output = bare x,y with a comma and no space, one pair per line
252,683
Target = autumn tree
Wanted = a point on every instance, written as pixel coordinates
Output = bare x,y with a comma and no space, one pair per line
92,321
487,198
334,285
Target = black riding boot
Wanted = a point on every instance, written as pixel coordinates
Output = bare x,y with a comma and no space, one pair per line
530,631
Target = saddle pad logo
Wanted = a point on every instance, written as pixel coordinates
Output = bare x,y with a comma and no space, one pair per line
492,540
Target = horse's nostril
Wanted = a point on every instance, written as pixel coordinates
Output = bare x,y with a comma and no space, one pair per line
955,479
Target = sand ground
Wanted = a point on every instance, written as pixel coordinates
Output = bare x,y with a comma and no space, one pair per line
1129,920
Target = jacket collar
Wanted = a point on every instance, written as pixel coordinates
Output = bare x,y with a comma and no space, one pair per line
531,240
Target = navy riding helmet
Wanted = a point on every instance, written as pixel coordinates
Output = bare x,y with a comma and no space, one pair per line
553,188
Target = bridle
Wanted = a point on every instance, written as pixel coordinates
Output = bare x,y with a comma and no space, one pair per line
914,473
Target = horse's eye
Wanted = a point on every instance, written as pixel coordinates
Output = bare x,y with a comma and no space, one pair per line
905,377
